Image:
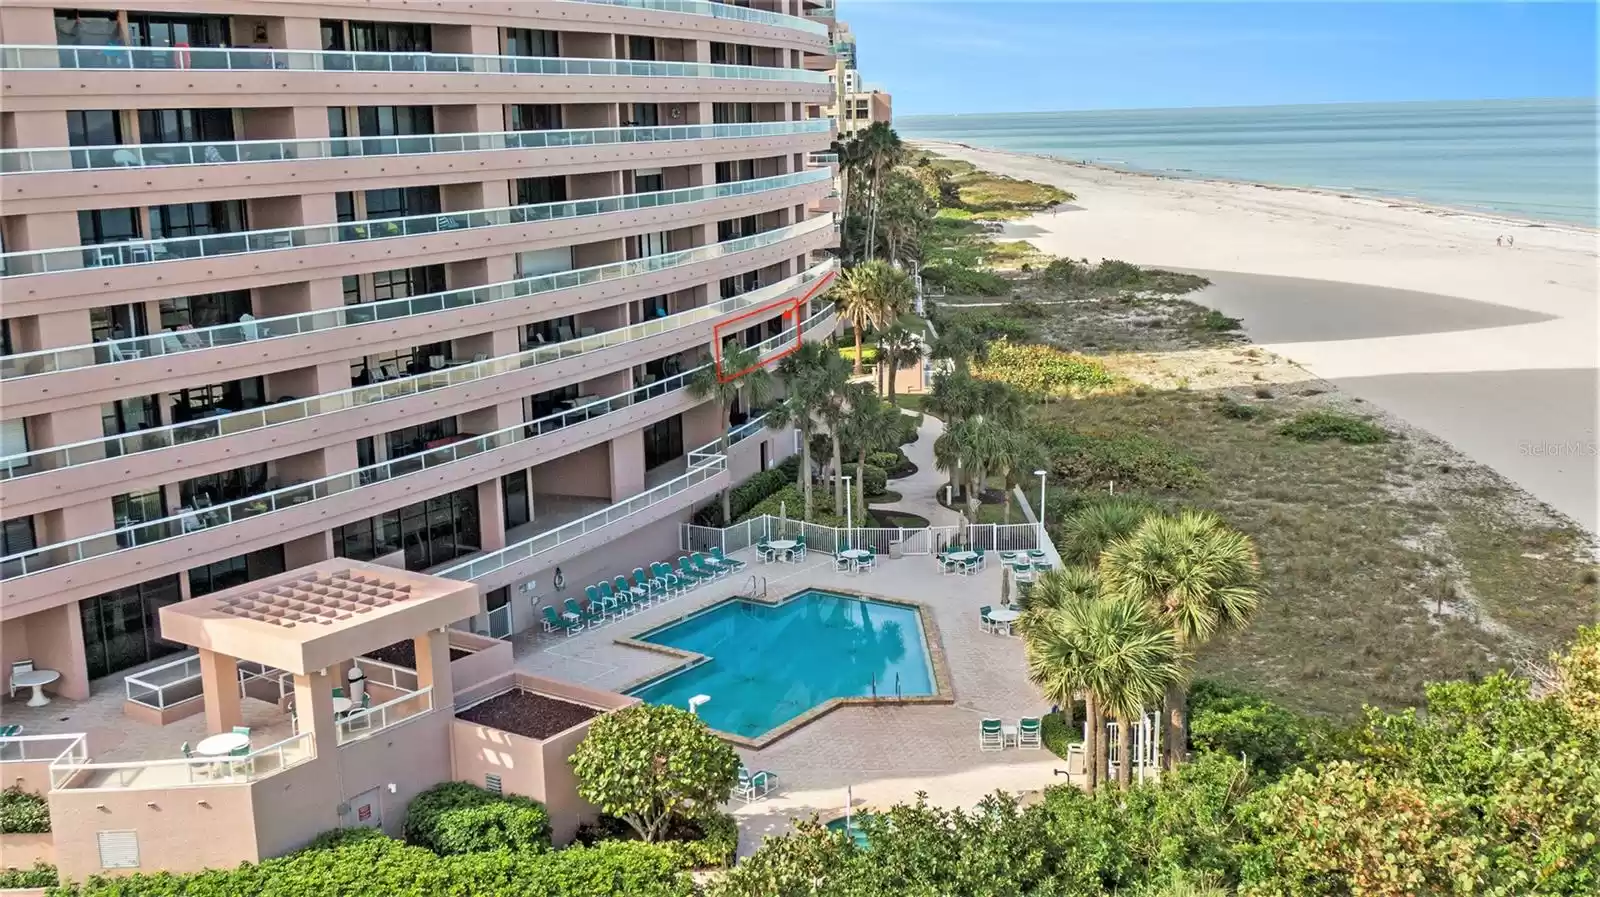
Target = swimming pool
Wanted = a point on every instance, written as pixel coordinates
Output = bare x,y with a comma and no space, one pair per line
769,664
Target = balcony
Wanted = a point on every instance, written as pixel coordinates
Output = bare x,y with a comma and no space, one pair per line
65,470
168,76
64,570
723,11
144,775
308,335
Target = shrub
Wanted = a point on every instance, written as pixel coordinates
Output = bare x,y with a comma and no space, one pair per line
708,840
1133,461
1043,370
1318,426
895,462
754,490
23,813
457,817
40,875
1229,721
1057,735
960,280
791,501
1238,410
1114,273
877,479
1217,322
647,764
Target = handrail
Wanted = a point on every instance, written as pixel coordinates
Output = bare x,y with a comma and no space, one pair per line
344,734
822,158
219,152
157,438
722,11
229,770
145,681
177,525
44,57
118,351
77,745
146,252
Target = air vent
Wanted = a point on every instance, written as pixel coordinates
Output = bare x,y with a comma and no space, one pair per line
119,850
491,782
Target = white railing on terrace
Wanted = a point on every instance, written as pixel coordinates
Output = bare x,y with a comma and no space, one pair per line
719,10
77,773
63,456
359,724
65,748
145,252
20,57
822,158
163,686
177,525
501,623
831,540
279,683
28,364
379,672
703,463
163,155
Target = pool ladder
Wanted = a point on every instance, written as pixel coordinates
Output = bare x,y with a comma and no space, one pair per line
897,695
750,587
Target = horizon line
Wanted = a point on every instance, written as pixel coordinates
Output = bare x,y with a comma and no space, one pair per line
1591,99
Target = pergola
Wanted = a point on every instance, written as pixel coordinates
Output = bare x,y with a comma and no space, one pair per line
313,622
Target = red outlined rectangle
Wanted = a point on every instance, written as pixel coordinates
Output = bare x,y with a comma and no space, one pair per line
790,306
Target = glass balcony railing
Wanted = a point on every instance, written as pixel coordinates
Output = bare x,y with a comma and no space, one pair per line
29,364
719,10
195,520
164,155
67,773
79,453
822,158
145,252
14,57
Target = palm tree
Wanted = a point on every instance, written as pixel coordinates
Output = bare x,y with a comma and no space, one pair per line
1198,577
906,211
897,347
872,294
833,384
1017,450
1086,532
969,450
955,397
869,426
961,345
882,149
805,392
1052,591
754,387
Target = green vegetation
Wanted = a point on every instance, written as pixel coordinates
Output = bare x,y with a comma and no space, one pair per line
876,480
23,812
648,765
1318,426
1238,410
457,817
753,387
39,875
1059,733
757,488
981,194
707,840
1040,370
1091,459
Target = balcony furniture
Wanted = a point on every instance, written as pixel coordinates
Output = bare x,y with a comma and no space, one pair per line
1029,733
435,362
1008,736
341,706
784,549
118,353
224,744
991,735
854,558
124,158
25,675
1003,617
753,786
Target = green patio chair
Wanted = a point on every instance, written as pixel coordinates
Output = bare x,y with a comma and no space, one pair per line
636,596
732,563
688,571
553,621
673,581
575,612
707,568
984,623
1029,734
991,735
609,602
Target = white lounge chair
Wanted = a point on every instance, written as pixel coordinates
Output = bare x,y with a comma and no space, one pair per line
991,735
754,785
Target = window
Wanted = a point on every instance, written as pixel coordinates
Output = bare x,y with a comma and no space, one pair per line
391,37
86,28
197,219
732,54
129,415
555,330
394,121
432,532
547,403
333,35
740,283
185,125
735,170
5,335
535,262
644,245
736,227
730,113
641,47
532,42
644,115
157,30
514,494
122,629
97,226
648,180
338,124
138,507
366,451
401,363
116,322
535,117
410,440
533,191
403,282
16,536
205,310
202,401
400,202
229,485
652,308
236,571
14,441
663,442
94,127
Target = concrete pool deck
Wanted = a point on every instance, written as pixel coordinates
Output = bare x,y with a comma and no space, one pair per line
884,754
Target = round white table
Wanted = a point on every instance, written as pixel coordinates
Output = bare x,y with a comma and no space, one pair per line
37,679
340,705
780,546
1005,616
962,555
223,744
855,556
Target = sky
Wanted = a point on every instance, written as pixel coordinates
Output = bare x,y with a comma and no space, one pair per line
939,56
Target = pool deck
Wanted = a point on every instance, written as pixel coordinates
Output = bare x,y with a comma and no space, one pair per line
884,754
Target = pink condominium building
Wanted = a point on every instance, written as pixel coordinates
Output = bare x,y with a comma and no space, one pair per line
419,285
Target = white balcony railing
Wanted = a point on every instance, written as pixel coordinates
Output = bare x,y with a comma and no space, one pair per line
359,723
147,252
165,155
16,57
819,159
704,463
178,525
160,687
198,339
77,773
87,452
380,673
65,748
721,10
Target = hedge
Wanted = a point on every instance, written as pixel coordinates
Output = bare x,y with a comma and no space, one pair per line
1057,735
895,462
457,817
23,813
705,842
372,865
754,490
41,875
877,478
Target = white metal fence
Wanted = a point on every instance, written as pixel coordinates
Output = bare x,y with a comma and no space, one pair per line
883,540
359,724
500,623
76,772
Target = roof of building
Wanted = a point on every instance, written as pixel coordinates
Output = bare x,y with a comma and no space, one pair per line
319,615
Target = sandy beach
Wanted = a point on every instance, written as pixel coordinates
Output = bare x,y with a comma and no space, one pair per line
1494,349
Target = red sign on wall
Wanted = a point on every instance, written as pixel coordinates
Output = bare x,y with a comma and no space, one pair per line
364,812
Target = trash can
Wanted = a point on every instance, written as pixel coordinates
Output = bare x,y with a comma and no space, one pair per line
896,549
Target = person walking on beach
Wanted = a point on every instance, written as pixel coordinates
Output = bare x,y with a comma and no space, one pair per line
1510,240
1500,241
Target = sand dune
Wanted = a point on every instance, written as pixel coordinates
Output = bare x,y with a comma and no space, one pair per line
1415,309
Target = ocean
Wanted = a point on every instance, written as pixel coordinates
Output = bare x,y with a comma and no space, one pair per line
1529,158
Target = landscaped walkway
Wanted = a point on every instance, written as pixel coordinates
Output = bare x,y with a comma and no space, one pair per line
883,754
918,490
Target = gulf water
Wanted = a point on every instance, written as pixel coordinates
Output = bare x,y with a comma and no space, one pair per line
1529,158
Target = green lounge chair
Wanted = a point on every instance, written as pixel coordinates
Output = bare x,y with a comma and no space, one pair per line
11,730
574,612
991,736
688,571
553,621
984,623
707,568
637,596
753,786
1029,734
673,581
731,563
610,602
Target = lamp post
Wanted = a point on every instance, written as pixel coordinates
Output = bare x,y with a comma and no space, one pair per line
849,513
1041,475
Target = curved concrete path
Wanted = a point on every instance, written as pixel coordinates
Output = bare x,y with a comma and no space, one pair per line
918,490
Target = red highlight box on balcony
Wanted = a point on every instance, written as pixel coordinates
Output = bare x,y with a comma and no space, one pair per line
790,307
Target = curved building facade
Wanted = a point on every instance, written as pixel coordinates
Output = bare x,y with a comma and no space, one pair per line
420,284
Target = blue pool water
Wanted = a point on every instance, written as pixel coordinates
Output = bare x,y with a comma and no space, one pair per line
770,664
